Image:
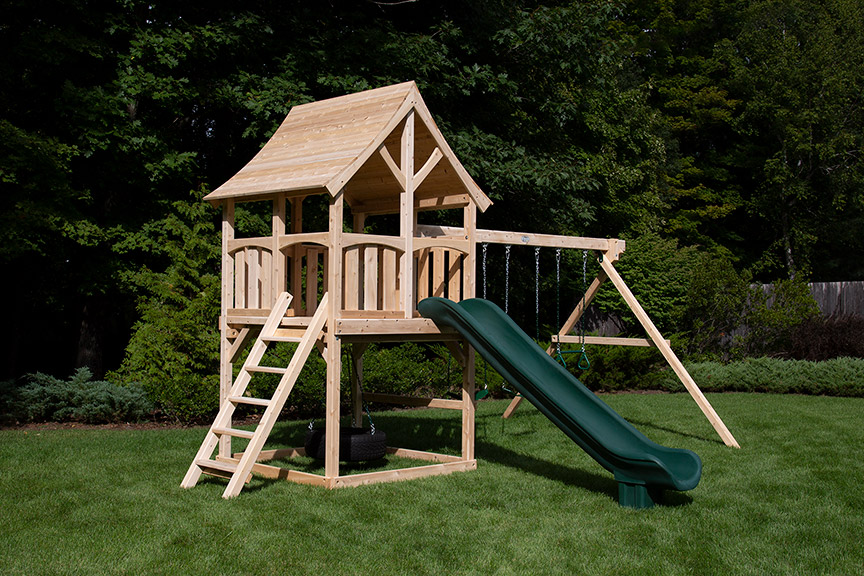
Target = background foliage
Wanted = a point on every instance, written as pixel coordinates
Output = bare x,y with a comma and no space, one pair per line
723,140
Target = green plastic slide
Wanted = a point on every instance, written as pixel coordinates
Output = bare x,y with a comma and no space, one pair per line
642,468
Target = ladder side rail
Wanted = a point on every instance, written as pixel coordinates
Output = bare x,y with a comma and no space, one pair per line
286,384
226,411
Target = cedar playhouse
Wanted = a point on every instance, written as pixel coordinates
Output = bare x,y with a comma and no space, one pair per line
379,152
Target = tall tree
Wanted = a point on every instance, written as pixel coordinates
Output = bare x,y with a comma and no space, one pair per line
799,68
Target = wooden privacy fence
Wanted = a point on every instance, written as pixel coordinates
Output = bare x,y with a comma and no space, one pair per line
833,298
839,298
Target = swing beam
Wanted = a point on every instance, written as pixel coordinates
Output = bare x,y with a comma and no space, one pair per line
609,252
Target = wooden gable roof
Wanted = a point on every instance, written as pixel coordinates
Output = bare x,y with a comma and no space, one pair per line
333,144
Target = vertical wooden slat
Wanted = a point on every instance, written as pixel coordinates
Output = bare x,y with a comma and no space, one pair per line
423,266
253,278
312,255
370,278
381,286
389,279
352,278
359,223
240,276
266,279
438,272
454,275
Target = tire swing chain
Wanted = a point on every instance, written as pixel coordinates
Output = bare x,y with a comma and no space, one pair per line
365,404
362,395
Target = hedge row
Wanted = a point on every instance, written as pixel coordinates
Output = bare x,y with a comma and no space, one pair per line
837,377
425,371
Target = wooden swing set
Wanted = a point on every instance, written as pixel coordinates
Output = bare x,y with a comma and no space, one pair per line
326,289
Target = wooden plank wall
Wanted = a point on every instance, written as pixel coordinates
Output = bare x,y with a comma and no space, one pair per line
253,284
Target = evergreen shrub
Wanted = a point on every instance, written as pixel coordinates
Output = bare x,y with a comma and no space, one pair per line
836,377
44,398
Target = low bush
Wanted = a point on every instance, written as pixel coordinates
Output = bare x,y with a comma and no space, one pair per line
836,377
618,368
44,398
824,338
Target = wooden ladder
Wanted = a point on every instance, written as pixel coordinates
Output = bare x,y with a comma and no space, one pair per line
239,471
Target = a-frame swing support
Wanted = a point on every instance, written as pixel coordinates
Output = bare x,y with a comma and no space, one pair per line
655,338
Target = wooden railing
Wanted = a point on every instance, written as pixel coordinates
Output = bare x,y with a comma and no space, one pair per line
372,280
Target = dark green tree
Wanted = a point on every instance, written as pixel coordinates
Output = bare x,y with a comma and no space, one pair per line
798,67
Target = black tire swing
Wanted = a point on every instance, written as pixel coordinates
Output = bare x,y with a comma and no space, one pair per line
356,444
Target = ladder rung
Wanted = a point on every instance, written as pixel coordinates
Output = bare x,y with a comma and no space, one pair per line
280,339
248,400
217,465
219,469
237,433
266,369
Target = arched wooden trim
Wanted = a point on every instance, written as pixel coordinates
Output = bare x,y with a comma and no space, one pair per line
463,246
264,243
350,240
319,238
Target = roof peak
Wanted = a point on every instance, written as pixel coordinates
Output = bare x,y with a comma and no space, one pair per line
330,145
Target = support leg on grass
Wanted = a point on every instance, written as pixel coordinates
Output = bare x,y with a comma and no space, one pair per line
638,496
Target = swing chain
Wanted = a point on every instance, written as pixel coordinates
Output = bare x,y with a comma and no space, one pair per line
583,363
485,247
507,279
558,298
537,290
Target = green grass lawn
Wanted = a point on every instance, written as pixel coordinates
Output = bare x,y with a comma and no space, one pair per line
789,502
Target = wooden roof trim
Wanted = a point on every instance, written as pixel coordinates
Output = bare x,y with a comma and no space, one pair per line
483,202
341,179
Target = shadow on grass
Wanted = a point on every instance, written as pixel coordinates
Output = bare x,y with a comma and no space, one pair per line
555,471
643,424
443,434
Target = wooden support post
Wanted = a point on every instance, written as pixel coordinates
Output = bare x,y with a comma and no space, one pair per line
297,257
469,263
334,345
278,259
668,354
226,368
468,405
406,215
